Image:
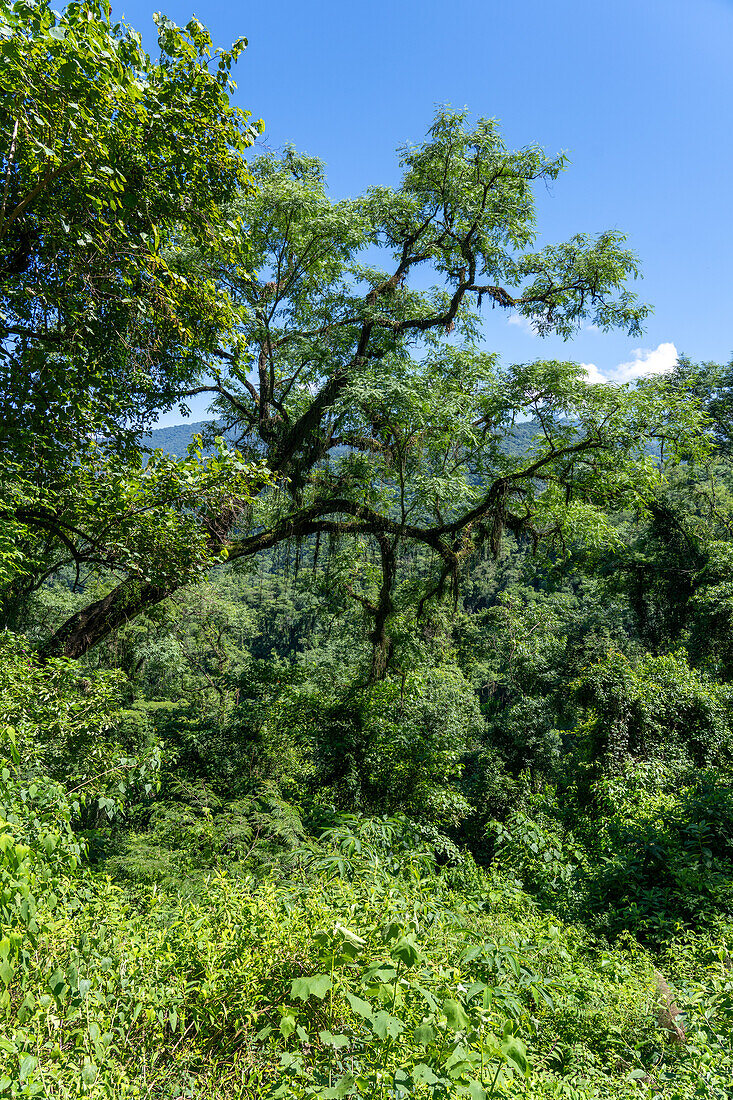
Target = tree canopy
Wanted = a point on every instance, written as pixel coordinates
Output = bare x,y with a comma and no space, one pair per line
378,411
113,166
382,742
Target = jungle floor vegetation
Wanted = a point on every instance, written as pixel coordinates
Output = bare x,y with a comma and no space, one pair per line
381,745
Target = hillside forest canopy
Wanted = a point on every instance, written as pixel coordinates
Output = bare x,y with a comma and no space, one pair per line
376,742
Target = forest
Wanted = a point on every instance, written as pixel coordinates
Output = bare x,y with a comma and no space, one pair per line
372,737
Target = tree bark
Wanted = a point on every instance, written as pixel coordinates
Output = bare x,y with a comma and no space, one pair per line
93,623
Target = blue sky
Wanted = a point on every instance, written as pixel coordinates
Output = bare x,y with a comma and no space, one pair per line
637,92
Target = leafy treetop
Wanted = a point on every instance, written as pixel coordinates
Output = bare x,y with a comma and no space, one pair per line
372,400
113,164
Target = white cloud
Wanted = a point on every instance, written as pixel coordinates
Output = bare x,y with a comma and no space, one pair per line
659,360
522,322
644,361
594,375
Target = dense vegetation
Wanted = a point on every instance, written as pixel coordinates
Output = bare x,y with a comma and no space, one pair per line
375,741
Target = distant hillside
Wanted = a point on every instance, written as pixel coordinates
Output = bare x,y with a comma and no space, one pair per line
175,440
520,437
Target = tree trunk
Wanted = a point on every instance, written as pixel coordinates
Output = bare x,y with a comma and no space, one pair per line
90,625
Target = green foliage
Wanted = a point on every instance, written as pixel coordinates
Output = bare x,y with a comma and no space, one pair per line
117,170
113,165
347,819
389,982
654,706
188,838
38,852
398,744
417,731
237,955
662,852
146,517
59,720
533,844
385,422
64,725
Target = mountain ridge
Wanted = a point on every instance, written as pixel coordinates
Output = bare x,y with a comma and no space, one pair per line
176,439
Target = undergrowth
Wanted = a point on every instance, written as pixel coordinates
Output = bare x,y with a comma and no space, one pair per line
359,967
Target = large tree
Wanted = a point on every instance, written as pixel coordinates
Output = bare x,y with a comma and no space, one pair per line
381,416
113,165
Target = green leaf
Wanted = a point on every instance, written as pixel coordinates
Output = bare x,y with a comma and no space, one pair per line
287,1026
89,1073
349,936
515,1055
27,1065
407,951
455,1015
345,1086
360,1007
317,985
474,989
335,1041
425,1035
477,1091
422,1074
392,931
461,1062
385,1024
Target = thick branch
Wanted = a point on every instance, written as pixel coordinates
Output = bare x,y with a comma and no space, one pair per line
86,628
91,625
48,177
